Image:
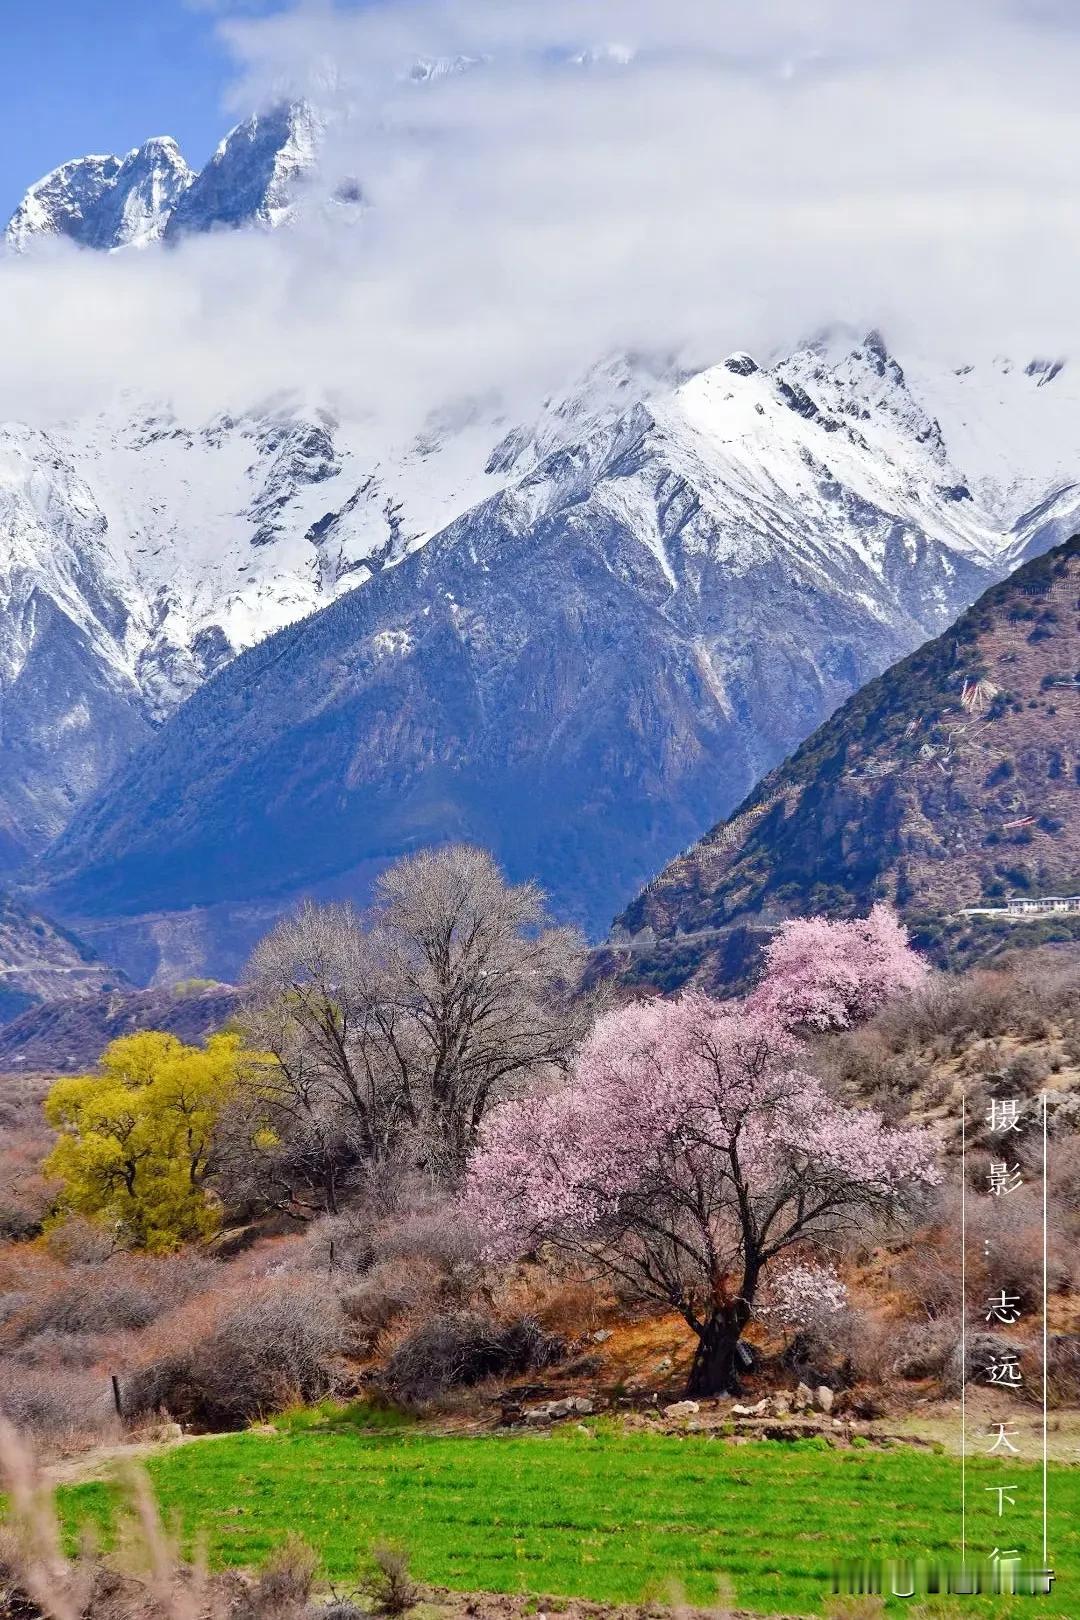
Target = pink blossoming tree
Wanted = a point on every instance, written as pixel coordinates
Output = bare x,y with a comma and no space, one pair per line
829,975
691,1147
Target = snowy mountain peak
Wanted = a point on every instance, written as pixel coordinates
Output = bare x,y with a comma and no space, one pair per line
64,202
104,201
108,202
149,183
253,176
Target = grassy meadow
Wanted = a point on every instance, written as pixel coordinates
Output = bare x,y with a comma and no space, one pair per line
607,1515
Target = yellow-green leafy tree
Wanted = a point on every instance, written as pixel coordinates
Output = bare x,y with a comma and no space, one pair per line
136,1140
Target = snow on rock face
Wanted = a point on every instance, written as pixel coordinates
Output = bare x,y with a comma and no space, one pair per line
138,554
253,176
105,202
149,184
71,709
64,202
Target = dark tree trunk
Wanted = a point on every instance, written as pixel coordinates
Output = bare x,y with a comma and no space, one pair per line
714,1370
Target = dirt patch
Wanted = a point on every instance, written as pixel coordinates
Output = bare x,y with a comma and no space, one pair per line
101,1462
442,1604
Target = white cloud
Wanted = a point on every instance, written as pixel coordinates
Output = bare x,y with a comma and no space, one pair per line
729,176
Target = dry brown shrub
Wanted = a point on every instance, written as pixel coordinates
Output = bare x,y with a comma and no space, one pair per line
918,1019
64,1406
25,1140
1005,1248
25,1195
1064,1168
78,1242
413,1257
388,1585
565,1301
282,1590
924,1349
431,1232
987,1003
342,1243
928,1270
27,1268
863,1061
1063,1369
388,1292
1026,1073
458,1349
242,1352
855,1608
123,1293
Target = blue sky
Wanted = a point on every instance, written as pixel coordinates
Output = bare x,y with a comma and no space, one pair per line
102,75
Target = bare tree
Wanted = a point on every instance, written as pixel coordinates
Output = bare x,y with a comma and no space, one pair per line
391,1035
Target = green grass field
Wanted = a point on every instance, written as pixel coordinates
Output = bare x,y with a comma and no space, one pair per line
613,1517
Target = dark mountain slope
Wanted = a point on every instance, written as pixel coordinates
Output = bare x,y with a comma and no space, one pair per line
62,1037
949,782
40,960
52,753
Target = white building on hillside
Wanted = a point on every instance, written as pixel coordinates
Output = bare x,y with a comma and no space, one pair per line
1023,905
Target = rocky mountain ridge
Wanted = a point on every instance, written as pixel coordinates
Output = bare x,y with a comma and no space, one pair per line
143,552
105,202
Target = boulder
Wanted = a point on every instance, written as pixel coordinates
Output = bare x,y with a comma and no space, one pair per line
569,1406
751,1411
680,1410
804,1397
823,1398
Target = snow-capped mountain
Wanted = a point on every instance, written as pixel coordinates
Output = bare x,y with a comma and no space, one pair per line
108,202
253,176
572,640
105,202
139,553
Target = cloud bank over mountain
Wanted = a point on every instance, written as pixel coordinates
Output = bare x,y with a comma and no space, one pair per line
529,186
